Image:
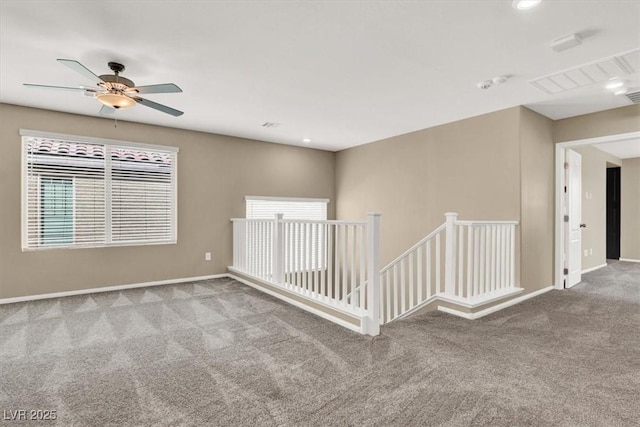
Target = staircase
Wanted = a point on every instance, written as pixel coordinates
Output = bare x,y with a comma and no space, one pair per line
466,263
331,268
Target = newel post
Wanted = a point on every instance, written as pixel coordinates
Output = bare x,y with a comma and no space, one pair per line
277,258
371,323
450,254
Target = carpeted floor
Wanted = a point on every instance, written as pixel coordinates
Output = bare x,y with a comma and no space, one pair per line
221,353
618,280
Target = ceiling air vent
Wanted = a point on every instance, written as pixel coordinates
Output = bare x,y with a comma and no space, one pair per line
270,125
599,71
634,96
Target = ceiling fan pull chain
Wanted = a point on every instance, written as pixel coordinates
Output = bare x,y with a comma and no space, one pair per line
115,122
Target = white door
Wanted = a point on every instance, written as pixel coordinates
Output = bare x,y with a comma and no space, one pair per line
573,209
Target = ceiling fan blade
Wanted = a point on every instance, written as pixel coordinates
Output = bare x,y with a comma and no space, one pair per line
85,89
162,88
157,106
106,110
81,69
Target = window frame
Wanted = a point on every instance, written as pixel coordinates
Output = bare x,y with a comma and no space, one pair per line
25,134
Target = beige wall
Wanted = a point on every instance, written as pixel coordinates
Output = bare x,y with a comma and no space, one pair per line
630,209
537,199
594,199
214,174
495,166
610,122
471,167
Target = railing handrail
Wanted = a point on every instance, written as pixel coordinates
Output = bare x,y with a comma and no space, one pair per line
414,247
482,222
301,221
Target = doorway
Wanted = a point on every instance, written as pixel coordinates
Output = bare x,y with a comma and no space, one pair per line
613,212
563,256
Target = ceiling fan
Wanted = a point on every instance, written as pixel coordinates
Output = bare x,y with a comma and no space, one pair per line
115,91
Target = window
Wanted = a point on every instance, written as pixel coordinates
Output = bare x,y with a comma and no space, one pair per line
291,208
86,192
56,213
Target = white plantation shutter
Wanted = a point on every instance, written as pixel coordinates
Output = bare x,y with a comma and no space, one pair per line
141,196
83,192
292,208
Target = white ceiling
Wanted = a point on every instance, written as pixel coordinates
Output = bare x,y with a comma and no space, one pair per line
622,149
340,73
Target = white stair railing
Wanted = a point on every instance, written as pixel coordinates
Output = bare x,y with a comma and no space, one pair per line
335,263
325,261
464,262
485,260
414,277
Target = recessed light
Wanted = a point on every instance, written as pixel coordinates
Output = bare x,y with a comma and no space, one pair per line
525,4
306,140
614,85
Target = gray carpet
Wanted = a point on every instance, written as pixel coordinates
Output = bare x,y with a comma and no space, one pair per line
618,280
220,353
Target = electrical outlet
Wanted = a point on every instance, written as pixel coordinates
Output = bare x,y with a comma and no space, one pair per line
207,256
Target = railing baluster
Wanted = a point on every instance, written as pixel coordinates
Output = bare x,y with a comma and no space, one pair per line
403,286
396,299
322,268
411,289
305,259
483,243
512,279
428,265
437,266
363,271
469,260
298,266
460,261
419,272
495,261
476,260
387,295
502,247
336,264
309,267
330,257
259,249
353,266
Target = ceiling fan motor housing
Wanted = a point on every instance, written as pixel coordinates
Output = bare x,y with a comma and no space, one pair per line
117,82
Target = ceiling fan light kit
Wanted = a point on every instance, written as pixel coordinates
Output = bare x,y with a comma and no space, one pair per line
115,100
116,92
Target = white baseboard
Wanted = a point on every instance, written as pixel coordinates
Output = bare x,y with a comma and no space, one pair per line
497,307
109,288
589,270
469,316
298,304
629,260
487,299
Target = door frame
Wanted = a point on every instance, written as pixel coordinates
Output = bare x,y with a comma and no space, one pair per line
560,200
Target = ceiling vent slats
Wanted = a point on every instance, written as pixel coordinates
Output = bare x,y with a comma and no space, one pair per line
585,75
634,97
